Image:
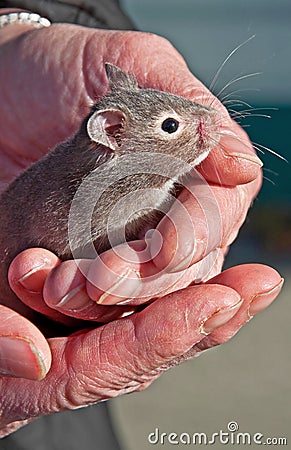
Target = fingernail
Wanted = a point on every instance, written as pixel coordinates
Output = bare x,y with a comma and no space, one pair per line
194,247
75,300
33,284
127,286
252,158
262,300
182,265
19,358
220,318
237,149
246,156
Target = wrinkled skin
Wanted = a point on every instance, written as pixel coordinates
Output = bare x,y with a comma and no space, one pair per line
49,78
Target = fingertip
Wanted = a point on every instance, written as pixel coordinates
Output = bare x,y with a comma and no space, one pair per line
30,268
263,299
190,231
65,281
24,351
21,359
250,279
178,251
115,277
257,284
234,160
230,168
27,277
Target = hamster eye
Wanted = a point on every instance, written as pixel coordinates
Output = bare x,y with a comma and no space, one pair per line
170,125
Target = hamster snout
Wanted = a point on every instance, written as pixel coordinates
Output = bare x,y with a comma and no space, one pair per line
208,131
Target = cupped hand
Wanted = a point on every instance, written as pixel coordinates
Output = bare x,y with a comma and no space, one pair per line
47,87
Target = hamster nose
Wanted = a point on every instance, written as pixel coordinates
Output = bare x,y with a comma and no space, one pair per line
207,130
203,128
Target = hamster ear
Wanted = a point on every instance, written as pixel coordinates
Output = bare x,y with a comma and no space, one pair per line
118,79
104,126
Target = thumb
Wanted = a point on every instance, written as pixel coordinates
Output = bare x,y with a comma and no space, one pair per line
24,351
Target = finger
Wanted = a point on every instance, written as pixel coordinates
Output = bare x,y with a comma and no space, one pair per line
27,275
24,351
56,289
65,290
203,219
234,160
258,286
132,279
59,289
124,275
121,356
118,277
11,427
165,329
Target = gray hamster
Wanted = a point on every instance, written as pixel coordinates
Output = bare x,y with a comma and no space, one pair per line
128,121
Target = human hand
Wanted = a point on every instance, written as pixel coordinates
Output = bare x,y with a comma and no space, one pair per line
45,105
126,355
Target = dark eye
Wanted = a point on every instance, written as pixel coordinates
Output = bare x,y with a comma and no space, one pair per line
170,125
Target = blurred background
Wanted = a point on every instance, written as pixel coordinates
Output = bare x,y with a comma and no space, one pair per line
248,379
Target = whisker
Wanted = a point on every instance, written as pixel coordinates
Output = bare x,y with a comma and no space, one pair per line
265,169
226,60
257,147
260,109
236,80
270,181
235,114
245,114
249,114
238,91
237,102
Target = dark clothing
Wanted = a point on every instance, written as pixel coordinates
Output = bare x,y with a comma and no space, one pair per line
89,428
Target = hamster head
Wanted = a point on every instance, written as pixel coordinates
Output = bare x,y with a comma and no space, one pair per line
130,119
